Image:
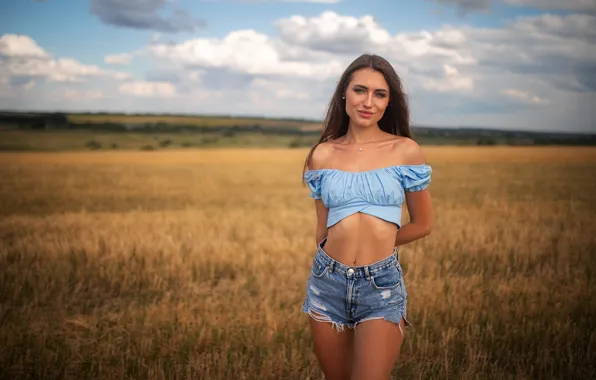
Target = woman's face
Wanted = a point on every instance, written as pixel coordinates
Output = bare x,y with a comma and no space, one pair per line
367,97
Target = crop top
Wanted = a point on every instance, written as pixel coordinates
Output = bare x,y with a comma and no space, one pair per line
378,192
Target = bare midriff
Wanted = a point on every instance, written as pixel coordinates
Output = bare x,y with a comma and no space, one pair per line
360,239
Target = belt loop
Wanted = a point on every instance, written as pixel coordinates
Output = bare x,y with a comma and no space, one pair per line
366,273
331,267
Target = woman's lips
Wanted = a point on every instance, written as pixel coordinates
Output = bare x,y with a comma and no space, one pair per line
366,115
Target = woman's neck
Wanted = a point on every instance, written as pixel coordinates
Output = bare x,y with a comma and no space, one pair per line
359,135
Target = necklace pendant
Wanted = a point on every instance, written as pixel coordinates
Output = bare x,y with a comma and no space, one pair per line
360,149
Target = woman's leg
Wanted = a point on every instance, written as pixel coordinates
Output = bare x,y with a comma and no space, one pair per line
333,349
377,344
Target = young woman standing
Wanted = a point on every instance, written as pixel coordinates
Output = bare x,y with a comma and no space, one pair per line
360,173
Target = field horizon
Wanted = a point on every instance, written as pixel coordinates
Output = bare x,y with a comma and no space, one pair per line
30,131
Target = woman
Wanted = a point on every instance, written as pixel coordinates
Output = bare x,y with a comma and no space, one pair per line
362,170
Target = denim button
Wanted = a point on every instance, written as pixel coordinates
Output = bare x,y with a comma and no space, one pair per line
350,272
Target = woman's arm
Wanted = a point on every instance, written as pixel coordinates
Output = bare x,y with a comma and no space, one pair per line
421,218
418,203
317,161
322,214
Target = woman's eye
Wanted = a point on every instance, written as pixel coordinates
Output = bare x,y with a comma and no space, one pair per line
359,90
380,95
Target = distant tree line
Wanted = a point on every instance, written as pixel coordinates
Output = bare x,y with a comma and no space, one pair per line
428,135
35,120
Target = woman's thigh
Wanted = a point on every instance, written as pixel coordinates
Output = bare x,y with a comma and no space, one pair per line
333,349
377,345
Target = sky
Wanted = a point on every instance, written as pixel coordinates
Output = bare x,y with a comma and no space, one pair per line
508,64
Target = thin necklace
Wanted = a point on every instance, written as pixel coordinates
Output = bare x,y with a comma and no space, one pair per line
360,149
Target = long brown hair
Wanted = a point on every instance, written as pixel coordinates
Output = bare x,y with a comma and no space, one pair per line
395,120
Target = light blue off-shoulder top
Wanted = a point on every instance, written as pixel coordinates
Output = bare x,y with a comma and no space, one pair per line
378,192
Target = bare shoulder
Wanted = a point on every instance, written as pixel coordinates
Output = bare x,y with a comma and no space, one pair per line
321,154
409,152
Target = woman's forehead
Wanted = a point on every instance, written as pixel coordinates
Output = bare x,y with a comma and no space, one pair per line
370,78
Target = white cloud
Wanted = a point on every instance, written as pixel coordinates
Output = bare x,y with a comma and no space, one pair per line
118,59
17,46
244,51
25,59
441,47
11,88
451,81
57,70
318,48
148,89
333,32
524,96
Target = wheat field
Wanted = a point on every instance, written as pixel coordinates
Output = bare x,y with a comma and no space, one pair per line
192,264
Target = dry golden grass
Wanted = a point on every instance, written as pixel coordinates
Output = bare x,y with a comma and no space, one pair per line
193,264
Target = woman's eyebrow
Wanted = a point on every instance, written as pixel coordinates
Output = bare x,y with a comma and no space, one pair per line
366,88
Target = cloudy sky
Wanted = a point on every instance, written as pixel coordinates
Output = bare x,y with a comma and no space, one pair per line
516,64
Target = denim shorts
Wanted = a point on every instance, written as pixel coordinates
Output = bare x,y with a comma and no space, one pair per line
347,295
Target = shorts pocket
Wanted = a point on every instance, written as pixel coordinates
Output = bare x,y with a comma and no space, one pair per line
318,269
387,279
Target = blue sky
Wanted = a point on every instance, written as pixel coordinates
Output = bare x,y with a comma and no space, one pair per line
518,64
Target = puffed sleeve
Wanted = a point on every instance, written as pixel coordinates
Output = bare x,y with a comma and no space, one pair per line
415,177
313,179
